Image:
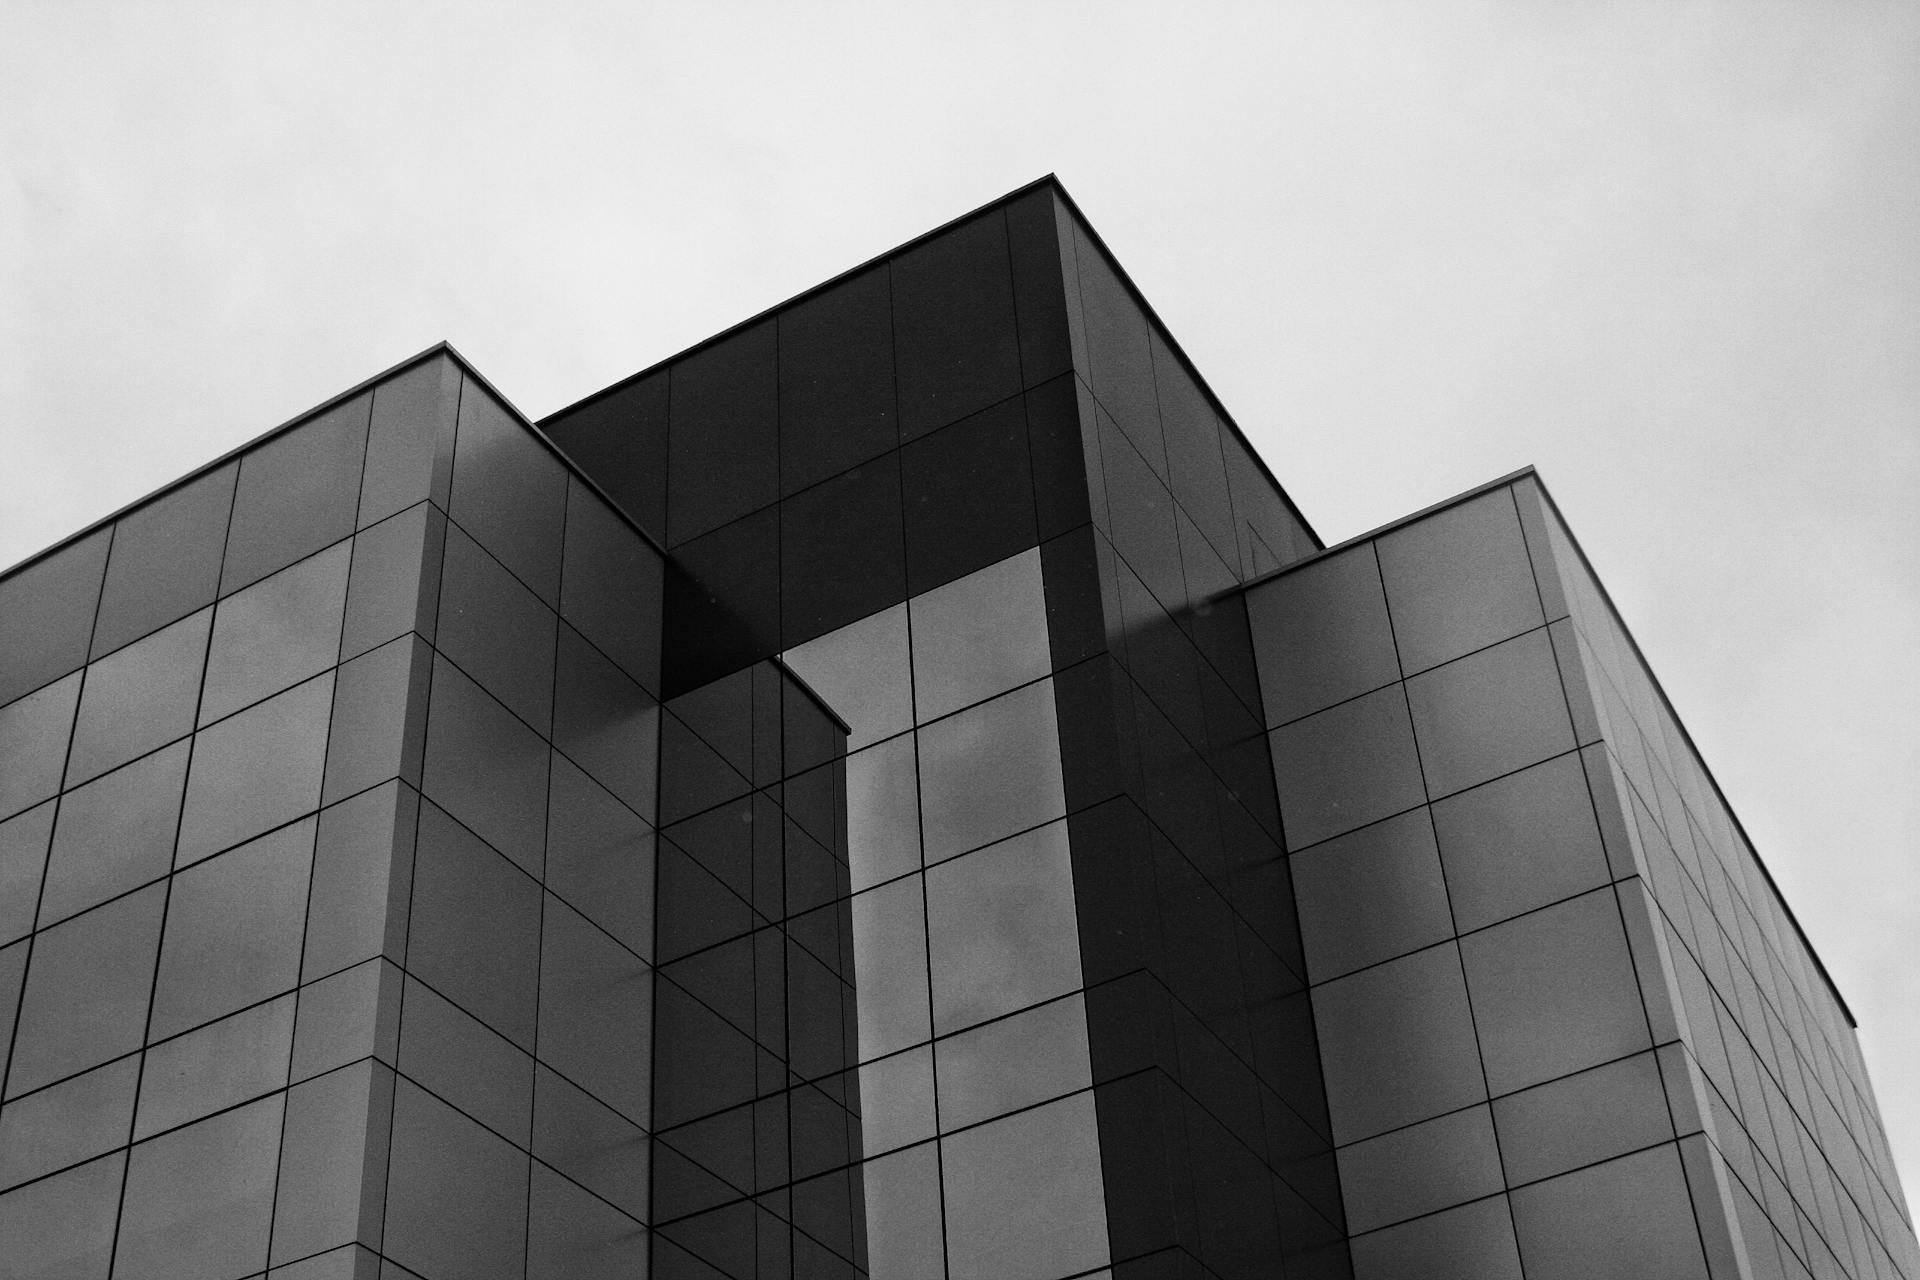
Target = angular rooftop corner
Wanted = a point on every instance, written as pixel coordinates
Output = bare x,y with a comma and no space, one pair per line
896,789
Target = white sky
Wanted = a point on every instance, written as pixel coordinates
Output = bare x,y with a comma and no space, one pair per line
1668,252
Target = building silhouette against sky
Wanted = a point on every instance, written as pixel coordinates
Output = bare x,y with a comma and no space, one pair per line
899,790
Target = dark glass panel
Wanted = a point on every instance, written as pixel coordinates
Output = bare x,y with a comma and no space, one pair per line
347,1016
410,439
596,1011
1321,634
712,1070
165,561
722,603
968,490
486,767
1015,1062
362,875
1076,623
607,724
1554,991
572,1235
1024,1198
1397,1043
275,633
890,965
199,1200
256,770
379,718
23,857
979,636
509,492
1633,1213
475,927
496,630
465,1063
1000,928
34,733
1520,842
1472,1242
208,1070
836,380
333,1167
86,997
1419,1169
1140,516
1345,767
862,671
600,857
394,585
456,1194
620,440
114,833
1489,713
46,614
611,586
1270,534
723,455
1458,580
841,550
1039,291
1196,467
1371,895
589,1142
62,1228
1119,353
1067,487
233,930
954,332
297,493
77,1118
139,698
990,771
693,776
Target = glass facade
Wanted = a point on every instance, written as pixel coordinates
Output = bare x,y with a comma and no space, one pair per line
897,792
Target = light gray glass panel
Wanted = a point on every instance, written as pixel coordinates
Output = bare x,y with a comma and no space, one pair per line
474,933
256,770
1001,928
497,630
233,930
1419,1169
1553,992
62,1228
1345,767
1628,1217
1370,895
204,1071
862,671
23,857
199,1200
1458,580
572,1235
979,636
1472,1242
600,857
883,812
1320,635
596,1011
890,959
115,833
347,1016
896,1100
457,1194
165,561
139,698
590,1142
1015,1062
362,875
67,1123
486,767
509,491
276,633
333,1161
1520,842
46,614
903,1214
1582,1119
394,586
1396,1044
34,733
1489,713
86,995
990,771
1024,1195
410,438
458,1058
379,718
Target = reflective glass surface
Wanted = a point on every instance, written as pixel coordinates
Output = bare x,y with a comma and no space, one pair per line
114,833
297,493
990,771
883,812
896,1100
1000,928
165,561
276,633
256,769
862,672
1014,1062
979,636
46,614
1023,1195
890,959
139,698
903,1221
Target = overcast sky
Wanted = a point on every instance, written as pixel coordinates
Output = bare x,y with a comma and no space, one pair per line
1669,253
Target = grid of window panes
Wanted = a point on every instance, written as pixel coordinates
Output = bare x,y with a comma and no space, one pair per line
305,962
1788,1110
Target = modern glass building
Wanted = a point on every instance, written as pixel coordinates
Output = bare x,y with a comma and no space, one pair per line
896,790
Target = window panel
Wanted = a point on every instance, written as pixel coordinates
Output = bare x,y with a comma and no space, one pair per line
722,603
509,491
596,1011
486,767
394,584
896,1100
1345,767
600,857
114,833
968,490
46,614
883,812
256,770
890,964
210,1069
1001,928
333,1162
233,930
86,996
836,379
575,1236
1140,518
496,630
165,561
33,743
610,589
842,550
1520,842
1024,1196
1458,580
619,437
456,1194
67,1123
1629,1217
862,672
297,493
954,336
199,1200
1119,350
1490,713
608,724
276,633
1370,895
904,1228
990,771
979,636
590,1142
722,454
23,858
1012,1063
1321,634
410,439
62,1227
139,698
